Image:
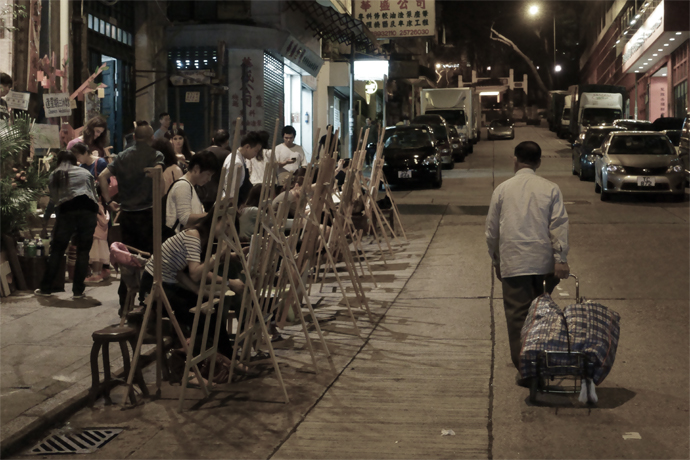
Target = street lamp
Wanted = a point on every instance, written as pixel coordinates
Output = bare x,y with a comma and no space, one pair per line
534,11
557,68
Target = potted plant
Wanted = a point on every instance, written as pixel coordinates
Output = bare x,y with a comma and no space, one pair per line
22,182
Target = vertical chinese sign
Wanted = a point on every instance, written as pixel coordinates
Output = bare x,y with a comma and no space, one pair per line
397,18
246,89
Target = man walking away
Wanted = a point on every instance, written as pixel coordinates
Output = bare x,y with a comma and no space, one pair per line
527,236
135,192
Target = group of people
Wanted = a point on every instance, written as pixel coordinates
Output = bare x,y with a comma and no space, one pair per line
88,186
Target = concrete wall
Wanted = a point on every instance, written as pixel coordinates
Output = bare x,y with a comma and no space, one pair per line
151,54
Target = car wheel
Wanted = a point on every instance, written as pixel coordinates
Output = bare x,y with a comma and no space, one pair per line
597,188
461,158
471,148
438,180
583,176
679,198
573,166
605,196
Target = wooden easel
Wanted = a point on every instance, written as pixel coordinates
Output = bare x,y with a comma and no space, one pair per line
157,296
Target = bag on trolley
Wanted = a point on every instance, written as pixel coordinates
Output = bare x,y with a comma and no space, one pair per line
544,329
594,330
586,327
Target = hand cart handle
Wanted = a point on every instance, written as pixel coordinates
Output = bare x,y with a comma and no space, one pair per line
578,299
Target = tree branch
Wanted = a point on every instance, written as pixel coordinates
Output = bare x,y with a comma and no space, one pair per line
506,41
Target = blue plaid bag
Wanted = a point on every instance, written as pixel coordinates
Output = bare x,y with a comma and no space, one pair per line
544,330
594,330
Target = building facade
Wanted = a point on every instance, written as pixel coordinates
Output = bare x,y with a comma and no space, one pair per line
643,46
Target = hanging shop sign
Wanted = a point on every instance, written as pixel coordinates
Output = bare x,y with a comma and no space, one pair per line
45,136
371,86
17,100
397,18
303,57
57,105
246,88
192,77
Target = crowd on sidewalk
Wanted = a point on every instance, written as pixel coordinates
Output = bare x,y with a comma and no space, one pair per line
90,188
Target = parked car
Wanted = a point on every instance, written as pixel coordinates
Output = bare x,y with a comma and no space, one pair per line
667,123
583,159
684,144
674,136
458,145
411,153
501,129
441,130
633,125
638,162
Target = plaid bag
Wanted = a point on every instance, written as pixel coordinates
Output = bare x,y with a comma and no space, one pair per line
594,331
544,330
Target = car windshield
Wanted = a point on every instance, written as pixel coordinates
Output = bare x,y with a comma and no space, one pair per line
600,116
407,139
640,145
566,114
500,123
634,125
594,140
454,117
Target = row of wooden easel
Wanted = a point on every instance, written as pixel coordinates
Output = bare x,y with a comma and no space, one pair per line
279,273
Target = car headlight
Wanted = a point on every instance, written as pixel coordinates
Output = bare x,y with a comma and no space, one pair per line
591,158
455,146
491,128
428,161
463,137
581,137
445,151
615,169
674,168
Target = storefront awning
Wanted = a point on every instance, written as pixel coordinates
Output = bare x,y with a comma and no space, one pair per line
334,26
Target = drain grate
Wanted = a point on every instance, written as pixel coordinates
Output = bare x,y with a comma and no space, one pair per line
84,442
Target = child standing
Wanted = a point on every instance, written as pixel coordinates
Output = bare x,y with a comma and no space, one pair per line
100,254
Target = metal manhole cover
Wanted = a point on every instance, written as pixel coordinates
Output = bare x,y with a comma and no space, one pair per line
79,442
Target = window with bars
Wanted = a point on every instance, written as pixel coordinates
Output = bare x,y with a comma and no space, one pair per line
273,93
680,97
193,58
108,30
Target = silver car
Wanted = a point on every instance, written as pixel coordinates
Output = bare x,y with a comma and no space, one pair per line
501,129
638,162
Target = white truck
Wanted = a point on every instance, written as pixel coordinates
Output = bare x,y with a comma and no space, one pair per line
564,129
456,105
594,105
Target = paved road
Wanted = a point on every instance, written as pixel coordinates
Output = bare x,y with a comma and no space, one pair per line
439,357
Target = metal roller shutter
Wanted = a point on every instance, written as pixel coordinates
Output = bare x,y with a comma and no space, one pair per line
273,94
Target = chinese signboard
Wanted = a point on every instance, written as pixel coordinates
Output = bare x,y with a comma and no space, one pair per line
302,56
46,136
192,96
246,89
397,18
57,105
16,100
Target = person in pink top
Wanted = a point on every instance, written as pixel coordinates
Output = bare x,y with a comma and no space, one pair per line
100,254
95,136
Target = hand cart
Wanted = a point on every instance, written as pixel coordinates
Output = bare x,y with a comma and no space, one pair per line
563,368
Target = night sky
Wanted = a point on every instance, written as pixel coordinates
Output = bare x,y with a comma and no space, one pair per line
467,29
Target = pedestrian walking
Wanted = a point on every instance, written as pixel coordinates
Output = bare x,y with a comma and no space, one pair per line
527,236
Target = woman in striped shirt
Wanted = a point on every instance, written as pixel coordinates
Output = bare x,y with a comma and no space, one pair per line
182,270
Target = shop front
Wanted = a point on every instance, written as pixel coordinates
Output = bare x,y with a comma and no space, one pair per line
655,61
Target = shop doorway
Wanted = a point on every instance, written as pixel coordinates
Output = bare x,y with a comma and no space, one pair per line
307,122
111,104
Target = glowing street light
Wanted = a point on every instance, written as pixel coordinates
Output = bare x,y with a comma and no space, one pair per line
557,68
533,10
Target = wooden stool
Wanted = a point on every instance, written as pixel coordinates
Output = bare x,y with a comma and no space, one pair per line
103,338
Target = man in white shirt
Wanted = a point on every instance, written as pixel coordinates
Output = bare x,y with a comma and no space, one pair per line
290,156
527,236
250,146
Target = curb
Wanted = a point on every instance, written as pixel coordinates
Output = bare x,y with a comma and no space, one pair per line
22,438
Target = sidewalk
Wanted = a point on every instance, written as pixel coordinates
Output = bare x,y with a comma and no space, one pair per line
45,347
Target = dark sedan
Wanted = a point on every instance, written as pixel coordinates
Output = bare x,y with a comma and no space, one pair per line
583,159
458,145
441,134
411,153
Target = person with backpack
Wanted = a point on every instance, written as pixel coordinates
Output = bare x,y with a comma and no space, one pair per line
182,205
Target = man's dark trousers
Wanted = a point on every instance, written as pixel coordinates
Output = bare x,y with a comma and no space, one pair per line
518,294
137,231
